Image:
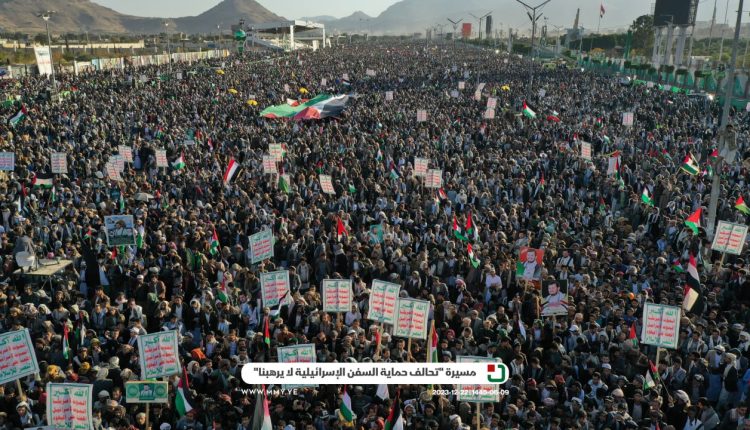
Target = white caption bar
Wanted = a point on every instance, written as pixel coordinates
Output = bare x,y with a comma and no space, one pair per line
375,373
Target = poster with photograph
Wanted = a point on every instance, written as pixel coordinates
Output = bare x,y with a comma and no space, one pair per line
529,265
119,230
555,297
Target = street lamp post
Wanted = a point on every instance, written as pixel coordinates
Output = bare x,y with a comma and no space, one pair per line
716,183
480,18
169,49
455,28
533,16
46,16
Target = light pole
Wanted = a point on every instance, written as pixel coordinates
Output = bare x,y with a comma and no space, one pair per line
169,50
480,18
533,16
455,28
46,16
218,35
716,184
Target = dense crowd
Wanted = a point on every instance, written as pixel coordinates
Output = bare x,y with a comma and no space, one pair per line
522,181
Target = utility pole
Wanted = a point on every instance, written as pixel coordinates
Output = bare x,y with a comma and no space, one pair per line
533,16
716,184
46,16
721,45
455,28
480,18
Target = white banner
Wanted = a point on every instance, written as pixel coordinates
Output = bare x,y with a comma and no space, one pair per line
69,406
326,184
586,150
336,295
412,318
383,300
421,115
17,356
158,354
59,162
729,238
269,165
274,287
43,62
420,166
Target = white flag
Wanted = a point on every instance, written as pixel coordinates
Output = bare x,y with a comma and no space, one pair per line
382,391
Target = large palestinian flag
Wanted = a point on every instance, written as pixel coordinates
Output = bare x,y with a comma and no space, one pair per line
322,106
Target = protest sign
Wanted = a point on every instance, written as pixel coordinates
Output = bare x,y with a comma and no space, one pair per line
489,113
477,96
112,172
126,152
286,88
555,297
345,76
17,356
412,318
274,287
661,325
323,82
158,354
383,300
420,166
161,158
586,150
612,165
326,185
337,295
492,103
461,85
276,151
454,94
376,233
480,393
627,118
729,238
370,72
421,115
389,95
147,392
304,353
269,165
7,161
119,161
59,162
434,178
119,230
69,406
261,246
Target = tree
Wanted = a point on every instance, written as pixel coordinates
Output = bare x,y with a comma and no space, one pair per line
643,32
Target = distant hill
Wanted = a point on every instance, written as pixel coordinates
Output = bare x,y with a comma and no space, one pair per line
76,16
320,18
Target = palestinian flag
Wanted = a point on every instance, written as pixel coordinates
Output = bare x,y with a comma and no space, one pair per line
223,294
666,155
528,112
340,229
471,230
633,337
214,246
442,195
714,156
266,333
542,182
42,180
345,407
694,221
65,343
18,117
179,163
690,165
394,420
650,382
472,258
181,402
602,206
232,169
646,198
53,195
553,117
89,234
677,267
741,206
262,415
432,344
457,231
322,106
598,122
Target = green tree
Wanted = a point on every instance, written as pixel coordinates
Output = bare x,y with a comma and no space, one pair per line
643,32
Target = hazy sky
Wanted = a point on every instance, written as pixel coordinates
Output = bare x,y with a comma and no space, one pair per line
619,12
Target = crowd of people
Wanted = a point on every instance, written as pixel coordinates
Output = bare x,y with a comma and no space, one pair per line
604,253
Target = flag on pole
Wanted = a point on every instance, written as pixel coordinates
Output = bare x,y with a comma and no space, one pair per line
650,382
382,391
472,258
179,163
528,112
65,344
181,402
457,231
690,165
232,168
677,267
394,420
340,229
223,294
741,206
646,198
266,333
471,230
262,415
442,195
633,337
601,10
82,329
214,247
18,117
345,407
689,299
694,221
432,344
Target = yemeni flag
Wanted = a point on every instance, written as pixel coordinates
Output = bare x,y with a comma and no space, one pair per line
266,333
689,298
677,267
42,180
472,258
340,229
262,415
442,195
527,111
741,206
471,230
179,163
18,117
457,231
345,408
650,382
181,402
214,246
65,343
432,345
646,198
232,169
694,221
690,165
394,420
322,106
633,337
